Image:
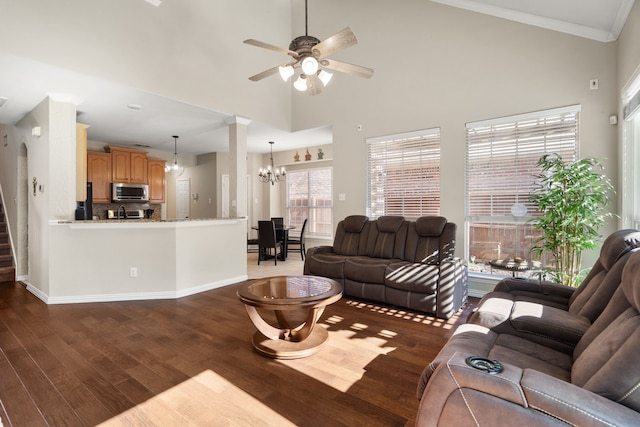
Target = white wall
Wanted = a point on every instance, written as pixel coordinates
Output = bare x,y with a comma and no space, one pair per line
51,163
92,261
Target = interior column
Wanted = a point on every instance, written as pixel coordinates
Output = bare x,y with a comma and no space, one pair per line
238,166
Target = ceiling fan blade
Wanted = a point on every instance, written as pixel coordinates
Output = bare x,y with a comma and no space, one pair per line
335,43
270,71
314,85
264,45
265,73
344,67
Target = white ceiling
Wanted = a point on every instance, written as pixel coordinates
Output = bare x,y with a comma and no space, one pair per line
104,105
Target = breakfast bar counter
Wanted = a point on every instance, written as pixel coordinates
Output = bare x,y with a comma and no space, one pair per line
111,260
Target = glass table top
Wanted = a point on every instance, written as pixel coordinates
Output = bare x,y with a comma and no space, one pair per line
291,287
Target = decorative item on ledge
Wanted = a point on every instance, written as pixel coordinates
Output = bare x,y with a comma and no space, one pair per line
296,158
271,174
320,154
307,156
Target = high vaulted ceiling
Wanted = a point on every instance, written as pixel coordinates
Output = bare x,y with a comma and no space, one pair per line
600,20
24,83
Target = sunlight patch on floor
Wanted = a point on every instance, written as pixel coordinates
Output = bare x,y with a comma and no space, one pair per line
353,366
206,399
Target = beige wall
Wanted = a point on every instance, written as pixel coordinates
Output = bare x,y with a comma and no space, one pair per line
175,50
435,66
438,66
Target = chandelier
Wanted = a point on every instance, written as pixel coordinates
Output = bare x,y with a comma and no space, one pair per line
174,169
271,174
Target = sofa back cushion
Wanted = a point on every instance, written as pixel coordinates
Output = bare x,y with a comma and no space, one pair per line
430,239
590,299
351,235
610,364
387,237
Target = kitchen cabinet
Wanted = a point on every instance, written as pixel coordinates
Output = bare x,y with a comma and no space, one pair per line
81,161
99,173
157,181
128,165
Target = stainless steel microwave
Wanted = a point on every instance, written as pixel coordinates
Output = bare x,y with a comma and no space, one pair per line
125,192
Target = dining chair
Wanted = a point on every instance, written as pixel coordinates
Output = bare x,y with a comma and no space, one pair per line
278,221
267,240
298,241
250,243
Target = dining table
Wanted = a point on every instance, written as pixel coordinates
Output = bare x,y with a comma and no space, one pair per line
281,231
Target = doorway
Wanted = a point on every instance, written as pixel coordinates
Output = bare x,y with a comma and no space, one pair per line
183,201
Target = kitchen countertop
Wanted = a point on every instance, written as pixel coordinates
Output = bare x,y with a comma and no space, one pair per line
112,224
143,220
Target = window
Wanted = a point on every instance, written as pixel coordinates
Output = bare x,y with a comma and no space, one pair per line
403,174
500,164
630,182
309,196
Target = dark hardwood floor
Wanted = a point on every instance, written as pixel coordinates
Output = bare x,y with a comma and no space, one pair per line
190,362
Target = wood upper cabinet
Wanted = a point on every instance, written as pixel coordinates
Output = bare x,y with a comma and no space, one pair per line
81,161
128,165
157,180
99,173
139,172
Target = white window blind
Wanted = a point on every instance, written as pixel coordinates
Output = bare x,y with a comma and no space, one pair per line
502,156
403,174
500,167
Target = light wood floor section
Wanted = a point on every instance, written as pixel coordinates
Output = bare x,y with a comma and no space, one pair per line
189,362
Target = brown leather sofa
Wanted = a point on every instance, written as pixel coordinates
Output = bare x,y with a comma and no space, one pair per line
394,261
551,314
519,379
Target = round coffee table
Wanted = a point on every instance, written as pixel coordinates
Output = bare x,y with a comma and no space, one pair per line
298,302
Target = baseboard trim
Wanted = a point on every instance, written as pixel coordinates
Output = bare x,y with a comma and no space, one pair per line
78,299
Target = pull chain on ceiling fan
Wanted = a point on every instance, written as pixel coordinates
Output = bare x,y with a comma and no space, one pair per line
311,59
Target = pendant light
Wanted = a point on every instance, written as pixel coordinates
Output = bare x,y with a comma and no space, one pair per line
174,169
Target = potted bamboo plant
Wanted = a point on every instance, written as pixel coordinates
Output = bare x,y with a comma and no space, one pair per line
571,197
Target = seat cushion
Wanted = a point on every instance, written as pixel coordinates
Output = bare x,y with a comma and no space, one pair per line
366,269
414,277
545,325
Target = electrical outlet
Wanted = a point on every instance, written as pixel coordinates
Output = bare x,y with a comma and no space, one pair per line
133,272
593,84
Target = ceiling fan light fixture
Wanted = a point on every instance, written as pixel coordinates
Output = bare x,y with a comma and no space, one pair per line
301,83
325,77
286,72
309,65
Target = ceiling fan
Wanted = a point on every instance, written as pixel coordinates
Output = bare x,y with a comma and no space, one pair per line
310,57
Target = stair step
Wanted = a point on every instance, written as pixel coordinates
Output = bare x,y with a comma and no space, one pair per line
5,249
6,261
7,274
4,237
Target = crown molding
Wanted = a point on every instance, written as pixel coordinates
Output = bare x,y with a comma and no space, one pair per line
548,23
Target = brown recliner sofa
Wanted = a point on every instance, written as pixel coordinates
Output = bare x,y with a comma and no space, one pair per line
518,381
394,261
551,314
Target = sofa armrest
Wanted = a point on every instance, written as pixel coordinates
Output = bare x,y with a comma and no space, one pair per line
319,250
458,394
452,287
